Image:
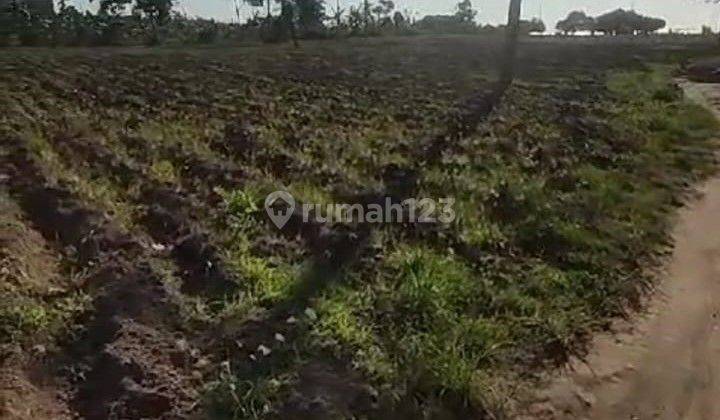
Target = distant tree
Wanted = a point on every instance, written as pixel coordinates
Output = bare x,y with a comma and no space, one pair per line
399,20
113,23
534,25
465,12
310,15
623,22
158,11
462,21
113,7
367,13
287,21
576,21
439,23
383,10
356,19
613,23
649,25
337,14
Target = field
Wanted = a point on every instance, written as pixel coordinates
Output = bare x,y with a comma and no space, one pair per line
141,278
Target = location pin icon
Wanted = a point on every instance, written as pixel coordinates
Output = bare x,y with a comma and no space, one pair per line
280,207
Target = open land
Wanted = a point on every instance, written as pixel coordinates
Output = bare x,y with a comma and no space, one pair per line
141,277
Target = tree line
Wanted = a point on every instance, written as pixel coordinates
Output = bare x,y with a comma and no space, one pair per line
617,22
157,21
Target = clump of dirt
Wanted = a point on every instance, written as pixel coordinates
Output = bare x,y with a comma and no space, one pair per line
203,269
240,141
142,373
326,391
20,399
209,174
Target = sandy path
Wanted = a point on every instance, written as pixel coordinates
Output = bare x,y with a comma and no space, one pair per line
667,365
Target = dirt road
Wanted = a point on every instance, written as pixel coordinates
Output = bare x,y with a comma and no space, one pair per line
667,366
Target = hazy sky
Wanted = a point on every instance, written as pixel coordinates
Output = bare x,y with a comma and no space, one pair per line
680,14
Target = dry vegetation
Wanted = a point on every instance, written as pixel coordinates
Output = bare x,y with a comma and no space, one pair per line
140,278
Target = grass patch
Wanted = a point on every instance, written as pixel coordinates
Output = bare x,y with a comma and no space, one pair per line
567,240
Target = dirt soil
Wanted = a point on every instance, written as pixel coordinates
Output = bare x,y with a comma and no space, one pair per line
667,365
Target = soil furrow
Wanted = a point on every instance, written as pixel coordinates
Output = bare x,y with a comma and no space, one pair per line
127,362
198,175
332,250
169,217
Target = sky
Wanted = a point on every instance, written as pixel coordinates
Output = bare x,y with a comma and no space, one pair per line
681,14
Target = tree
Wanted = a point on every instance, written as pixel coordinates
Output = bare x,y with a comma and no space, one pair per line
399,20
310,16
297,17
287,18
533,25
622,22
462,21
382,11
337,15
649,25
367,13
465,12
507,71
111,21
113,7
576,21
611,23
158,11
356,20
